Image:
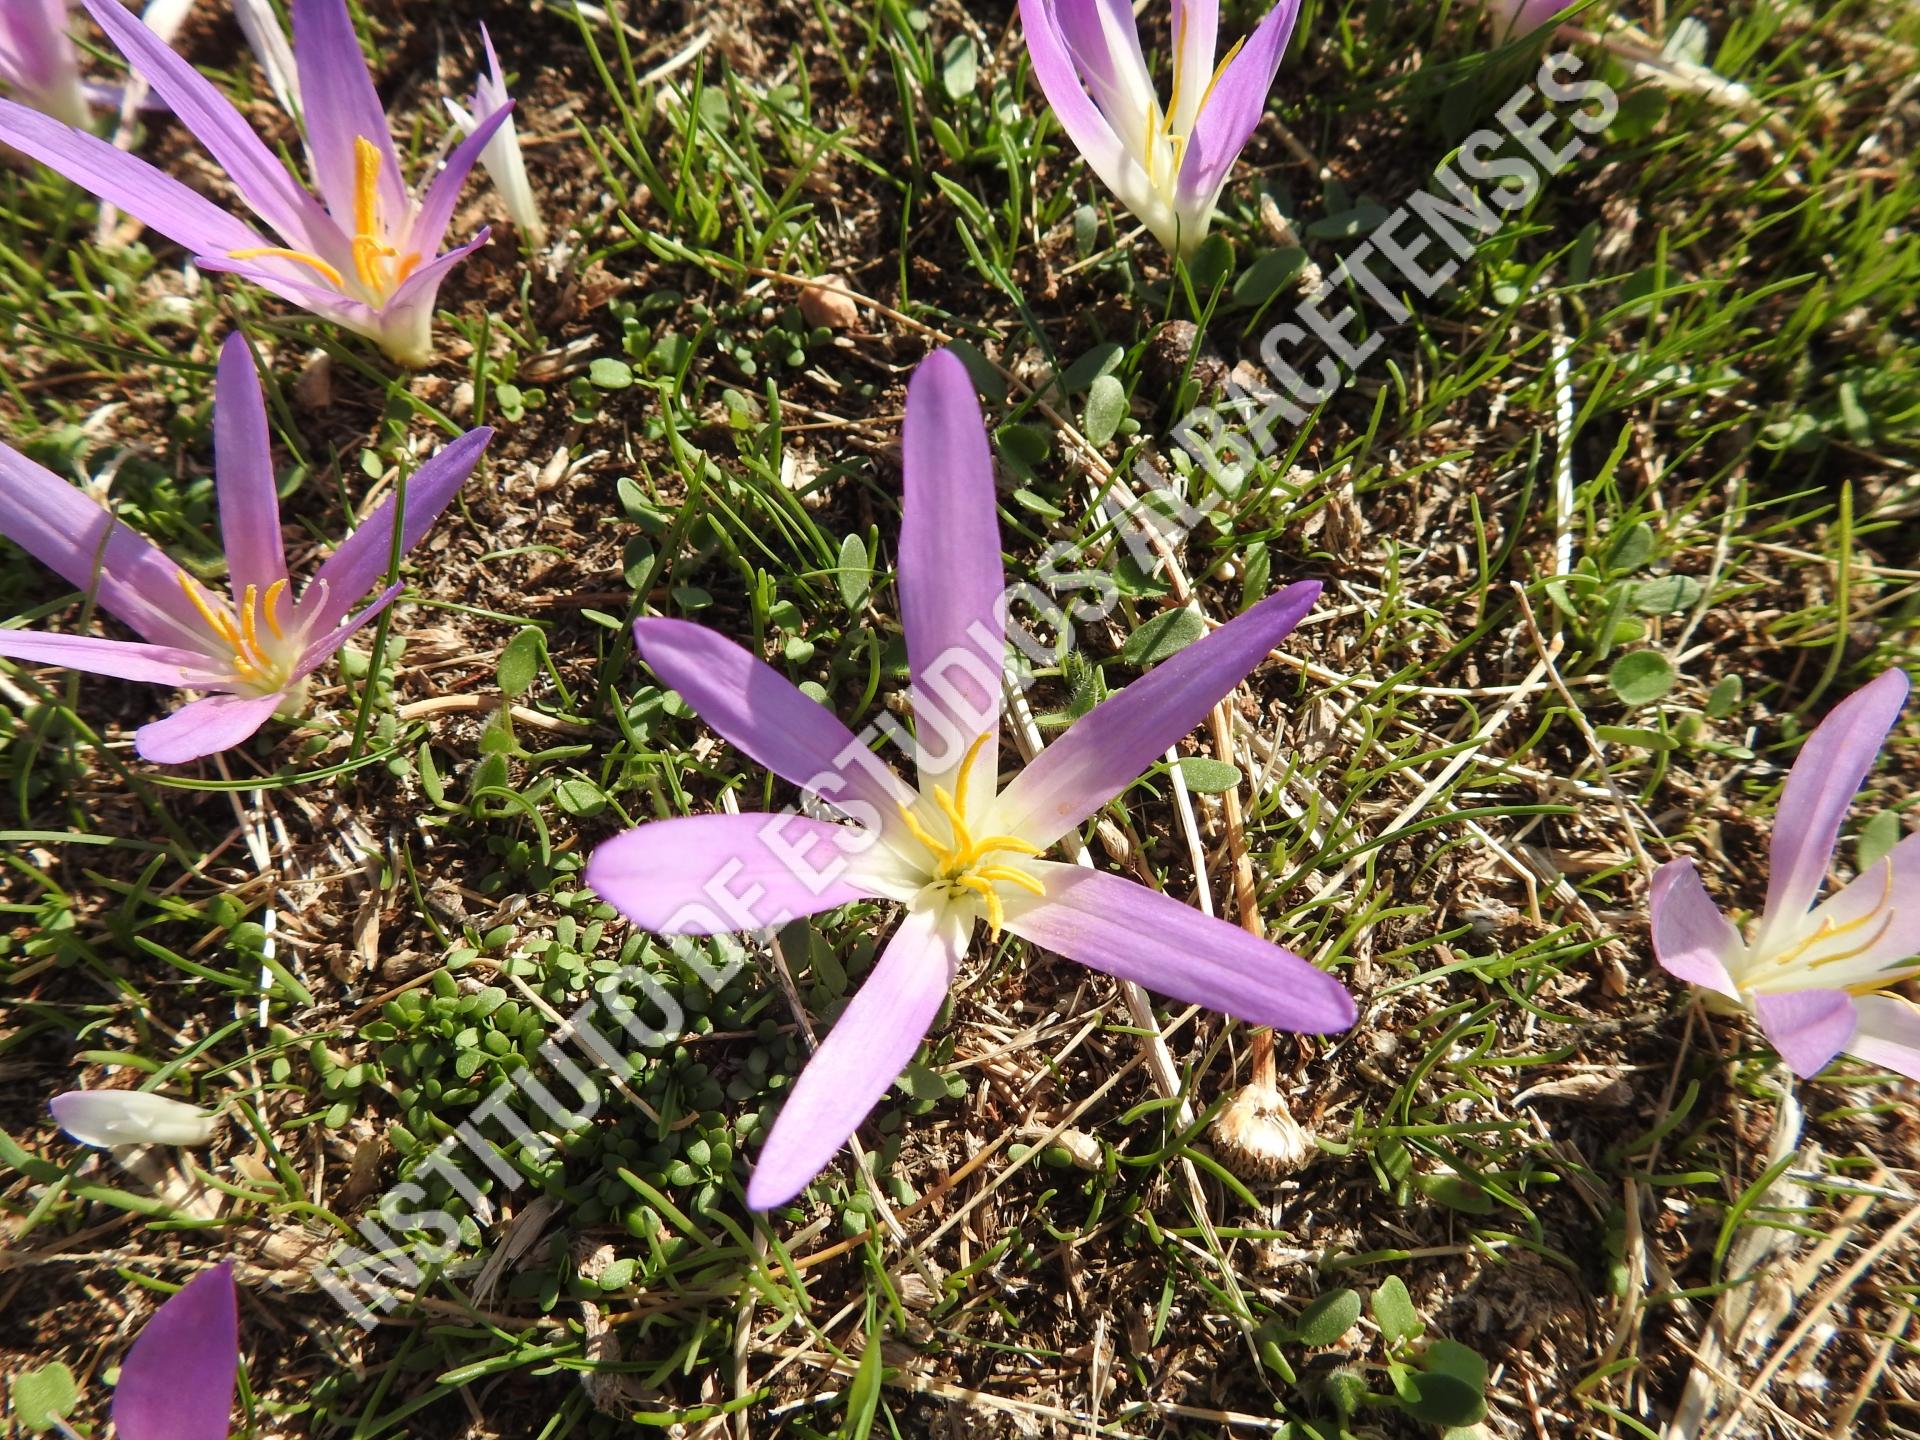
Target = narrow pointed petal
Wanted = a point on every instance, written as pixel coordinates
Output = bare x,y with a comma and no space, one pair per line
153,197
757,710
361,561
1119,928
1875,918
177,1382
1888,1035
1826,775
403,327
131,1117
1106,750
1807,1027
868,1047
952,587
1692,940
269,45
717,874
122,659
341,106
1103,40
1232,112
205,727
275,194
67,531
1106,154
429,226
243,468
1196,38
324,646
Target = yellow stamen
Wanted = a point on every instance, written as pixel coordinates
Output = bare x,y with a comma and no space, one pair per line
1218,71
267,604
1179,55
1007,875
248,630
957,859
996,912
300,257
366,185
216,620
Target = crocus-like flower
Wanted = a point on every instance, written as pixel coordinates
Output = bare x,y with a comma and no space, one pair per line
365,254
1513,18
505,165
178,1380
38,66
1166,164
1812,975
961,848
255,650
131,1117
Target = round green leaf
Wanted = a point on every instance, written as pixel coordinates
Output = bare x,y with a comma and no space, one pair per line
1106,408
1641,677
1328,1318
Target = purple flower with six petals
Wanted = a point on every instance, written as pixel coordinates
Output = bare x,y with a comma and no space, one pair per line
1812,975
961,847
257,650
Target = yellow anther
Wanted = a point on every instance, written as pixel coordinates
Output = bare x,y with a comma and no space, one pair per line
248,629
216,620
957,860
269,603
996,912
1218,71
299,257
366,185
1007,875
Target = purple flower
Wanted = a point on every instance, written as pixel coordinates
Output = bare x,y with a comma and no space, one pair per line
961,847
256,650
1514,18
37,62
1812,974
177,1381
505,165
1167,165
366,253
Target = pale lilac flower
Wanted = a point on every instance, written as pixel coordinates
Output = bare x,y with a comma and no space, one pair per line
178,1380
38,66
1812,975
960,848
256,650
107,1118
1514,18
365,254
505,165
1165,164
269,45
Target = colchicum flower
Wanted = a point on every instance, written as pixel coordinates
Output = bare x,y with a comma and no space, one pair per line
38,66
1167,165
366,254
178,1380
504,163
1514,18
255,650
107,1118
1813,975
962,847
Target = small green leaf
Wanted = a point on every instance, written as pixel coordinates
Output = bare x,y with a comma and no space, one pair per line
1641,677
856,572
863,1395
1165,634
1265,278
959,67
1211,263
1449,1390
1631,549
1456,1192
1725,696
1639,739
41,1395
1106,408
1668,595
1208,776
580,798
1393,1312
1346,1391
605,374
1329,1317
520,662
1877,837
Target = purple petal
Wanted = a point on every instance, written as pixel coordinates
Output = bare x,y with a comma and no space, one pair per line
404,325
156,199
1826,775
1106,750
341,106
297,285
361,561
436,206
1889,1034
75,537
322,648
868,1047
177,1381
715,874
1103,41
952,589
1691,938
122,659
756,709
1123,929
254,170
1059,81
1232,112
204,727
1872,923
243,464
1807,1027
